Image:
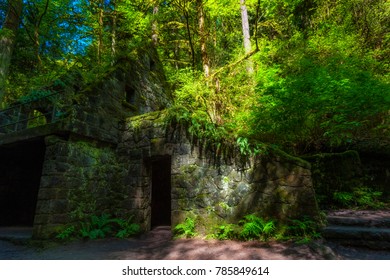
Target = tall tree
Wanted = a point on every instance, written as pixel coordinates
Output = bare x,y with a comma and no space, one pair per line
7,40
246,34
154,26
202,38
245,27
36,17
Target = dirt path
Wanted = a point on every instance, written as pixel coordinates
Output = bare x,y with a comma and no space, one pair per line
158,245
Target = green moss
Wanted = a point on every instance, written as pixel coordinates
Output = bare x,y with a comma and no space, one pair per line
155,119
188,168
295,160
99,175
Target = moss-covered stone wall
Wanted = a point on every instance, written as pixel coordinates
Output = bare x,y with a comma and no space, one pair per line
79,178
273,185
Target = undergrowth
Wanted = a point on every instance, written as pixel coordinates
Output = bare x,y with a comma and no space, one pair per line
185,229
253,227
218,138
100,227
359,198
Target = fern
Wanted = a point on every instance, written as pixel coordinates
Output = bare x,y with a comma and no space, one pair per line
98,227
361,198
127,228
186,229
304,230
254,227
66,233
224,232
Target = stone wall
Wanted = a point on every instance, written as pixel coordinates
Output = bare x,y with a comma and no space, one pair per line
83,173
274,185
79,178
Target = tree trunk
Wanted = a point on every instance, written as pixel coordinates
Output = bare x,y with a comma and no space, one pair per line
154,27
246,34
113,33
7,40
37,45
256,25
100,31
202,36
245,27
187,17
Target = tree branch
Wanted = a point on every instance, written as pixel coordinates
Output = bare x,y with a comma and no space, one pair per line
44,13
248,55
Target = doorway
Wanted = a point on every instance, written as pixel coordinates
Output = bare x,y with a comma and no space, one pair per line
20,175
161,192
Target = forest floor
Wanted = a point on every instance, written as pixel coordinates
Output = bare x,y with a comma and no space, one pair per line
159,245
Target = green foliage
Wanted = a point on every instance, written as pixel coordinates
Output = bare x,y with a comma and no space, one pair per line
360,198
254,227
243,145
343,198
185,229
304,230
67,233
35,95
127,228
249,149
97,227
226,231
100,227
314,101
209,108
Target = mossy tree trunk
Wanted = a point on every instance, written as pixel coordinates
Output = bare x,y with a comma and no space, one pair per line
202,36
7,41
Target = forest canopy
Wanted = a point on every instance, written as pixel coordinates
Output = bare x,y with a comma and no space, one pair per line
304,75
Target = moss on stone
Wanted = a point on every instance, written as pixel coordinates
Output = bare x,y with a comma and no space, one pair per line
285,157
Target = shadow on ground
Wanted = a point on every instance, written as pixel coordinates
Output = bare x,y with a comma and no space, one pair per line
159,245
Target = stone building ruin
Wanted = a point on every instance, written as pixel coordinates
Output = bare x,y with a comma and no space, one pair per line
111,151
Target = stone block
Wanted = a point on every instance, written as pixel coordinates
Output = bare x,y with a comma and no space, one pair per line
178,216
51,181
157,146
42,219
43,207
139,192
139,203
52,167
183,149
59,219
47,193
58,206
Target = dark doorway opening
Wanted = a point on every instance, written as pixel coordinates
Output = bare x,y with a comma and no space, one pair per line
161,192
20,176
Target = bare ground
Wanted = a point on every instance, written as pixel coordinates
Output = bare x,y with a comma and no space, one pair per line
159,245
